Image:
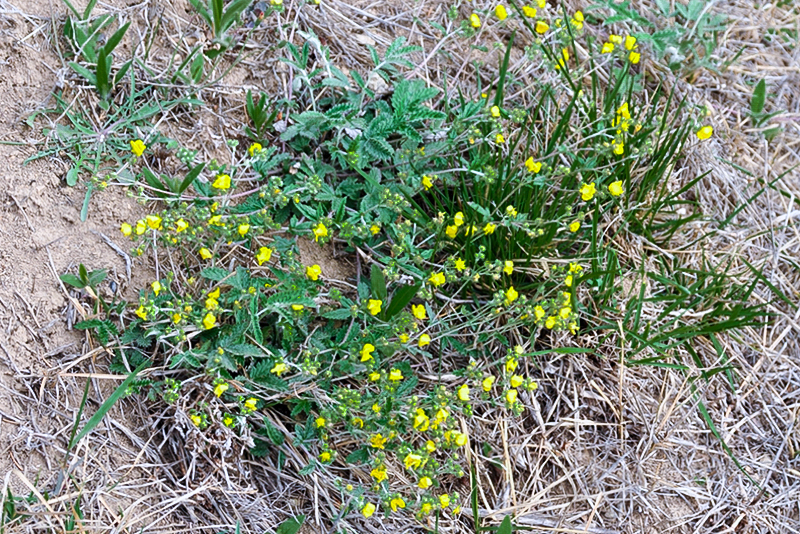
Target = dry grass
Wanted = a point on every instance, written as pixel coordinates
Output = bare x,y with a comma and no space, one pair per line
602,448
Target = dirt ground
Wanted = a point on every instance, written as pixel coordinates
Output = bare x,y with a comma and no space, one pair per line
662,473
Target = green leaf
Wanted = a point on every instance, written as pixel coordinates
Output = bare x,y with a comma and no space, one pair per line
86,198
83,71
291,526
114,40
214,273
400,300
72,176
307,470
191,176
245,349
759,98
505,526
72,280
338,315
378,282
108,404
272,432
358,456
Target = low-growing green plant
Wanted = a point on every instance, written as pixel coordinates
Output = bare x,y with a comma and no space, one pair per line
481,227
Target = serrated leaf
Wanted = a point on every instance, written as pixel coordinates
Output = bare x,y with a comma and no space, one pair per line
307,470
338,315
214,273
358,456
275,435
245,349
291,526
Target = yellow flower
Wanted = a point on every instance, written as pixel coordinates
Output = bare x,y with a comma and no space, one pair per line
216,220
221,388
419,311
538,311
223,181
366,352
441,415
176,318
634,57
368,510
511,295
421,421
495,111
487,383
511,211
395,375
141,227
458,219
403,338
511,365
565,312
705,132
263,256
577,20
140,311
426,182
153,221
460,264
379,474
461,439
325,456
374,376
533,166
550,322
529,11
451,231
630,42
209,321
426,508
374,306
279,369
250,404
607,48
463,393
181,226
619,148
138,147
320,422
574,226
412,461
541,27
214,294
126,229
508,267
615,188
374,229
516,380
196,419
587,191
616,39
377,441
297,307
320,231
424,340
437,279
227,421
396,503
313,272
575,267
499,139
430,446
357,421
425,483
156,287
255,147
511,396
568,281
501,12
243,229
489,228
475,20
444,500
